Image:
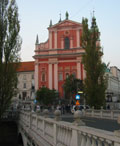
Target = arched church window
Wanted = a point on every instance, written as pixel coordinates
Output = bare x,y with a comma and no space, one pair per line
67,42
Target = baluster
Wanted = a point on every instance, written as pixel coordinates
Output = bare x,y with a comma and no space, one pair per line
108,142
100,140
69,137
83,141
79,137
63,134
88,140
94,138
60,134
66,135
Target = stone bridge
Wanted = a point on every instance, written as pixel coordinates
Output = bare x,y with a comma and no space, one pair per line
37,130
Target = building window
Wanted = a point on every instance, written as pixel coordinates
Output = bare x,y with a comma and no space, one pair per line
67,42
43,76
32,76
24,85
60,76
67,75
24,94
24,77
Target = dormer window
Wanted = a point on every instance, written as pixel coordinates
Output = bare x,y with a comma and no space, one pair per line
67,42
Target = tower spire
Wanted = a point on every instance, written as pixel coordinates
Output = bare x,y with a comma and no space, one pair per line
37,40
50,23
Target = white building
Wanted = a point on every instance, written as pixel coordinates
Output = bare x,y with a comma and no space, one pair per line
113,89
25,85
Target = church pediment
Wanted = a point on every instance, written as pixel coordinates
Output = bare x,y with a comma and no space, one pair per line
66,23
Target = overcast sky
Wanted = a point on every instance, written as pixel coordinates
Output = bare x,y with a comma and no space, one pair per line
35,16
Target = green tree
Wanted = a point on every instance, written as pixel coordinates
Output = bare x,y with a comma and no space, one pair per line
46,96
10,43
71,87
95,83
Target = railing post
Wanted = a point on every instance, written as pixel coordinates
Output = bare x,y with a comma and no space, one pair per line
111,114
31,120
101,112
77,116
92,111
46,113
57,114
117,132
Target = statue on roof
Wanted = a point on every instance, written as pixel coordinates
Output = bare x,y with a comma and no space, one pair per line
67,15
60,18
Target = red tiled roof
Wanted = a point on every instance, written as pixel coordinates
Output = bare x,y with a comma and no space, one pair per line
26,66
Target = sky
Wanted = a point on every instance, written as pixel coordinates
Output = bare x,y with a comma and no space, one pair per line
35,16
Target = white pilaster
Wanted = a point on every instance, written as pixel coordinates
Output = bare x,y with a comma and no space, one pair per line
55,40
36,76
84,73
50,40
78,71
78,38
71,42
50,76
62,43
56,76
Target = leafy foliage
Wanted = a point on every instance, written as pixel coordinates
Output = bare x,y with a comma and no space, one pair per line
46,96
10,43
71,86
95,83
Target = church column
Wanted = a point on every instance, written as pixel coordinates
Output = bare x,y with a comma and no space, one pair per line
55,39
50,75
56,76
50,39
78,38
78,70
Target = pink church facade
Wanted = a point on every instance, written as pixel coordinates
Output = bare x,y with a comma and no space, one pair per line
59,56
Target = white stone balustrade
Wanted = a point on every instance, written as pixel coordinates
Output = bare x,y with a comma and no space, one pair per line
105,114
49,132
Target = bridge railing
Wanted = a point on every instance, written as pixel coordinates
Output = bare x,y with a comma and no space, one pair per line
105,114
59,133
10,115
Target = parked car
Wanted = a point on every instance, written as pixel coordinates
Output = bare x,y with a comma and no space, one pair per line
79,107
